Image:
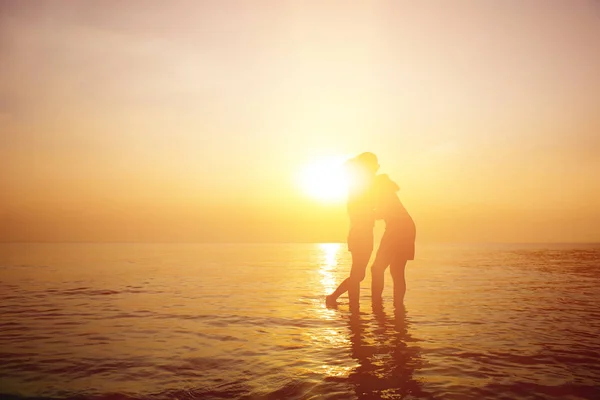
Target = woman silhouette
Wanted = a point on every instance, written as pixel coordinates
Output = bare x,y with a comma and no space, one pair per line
398,242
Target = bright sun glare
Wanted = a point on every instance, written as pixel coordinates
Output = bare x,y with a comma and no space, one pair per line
324,179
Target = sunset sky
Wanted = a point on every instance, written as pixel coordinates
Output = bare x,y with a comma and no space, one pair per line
190,120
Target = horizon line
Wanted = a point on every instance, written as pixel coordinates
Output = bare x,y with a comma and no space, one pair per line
283,242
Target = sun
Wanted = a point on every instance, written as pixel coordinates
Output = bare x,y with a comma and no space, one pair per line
324,179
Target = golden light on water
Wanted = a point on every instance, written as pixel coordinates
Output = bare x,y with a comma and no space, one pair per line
338,371
330,257
328,337
329,261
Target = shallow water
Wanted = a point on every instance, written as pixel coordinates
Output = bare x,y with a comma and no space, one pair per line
248,321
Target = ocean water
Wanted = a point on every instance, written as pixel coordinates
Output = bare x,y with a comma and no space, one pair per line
215,321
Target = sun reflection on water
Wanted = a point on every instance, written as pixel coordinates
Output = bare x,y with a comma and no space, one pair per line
338,371
328,337
330,261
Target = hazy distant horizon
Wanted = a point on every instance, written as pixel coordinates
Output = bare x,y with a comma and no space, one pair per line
311,242
192,120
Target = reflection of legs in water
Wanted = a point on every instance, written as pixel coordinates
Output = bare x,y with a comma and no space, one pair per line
352,284
400,323
381,318
397,270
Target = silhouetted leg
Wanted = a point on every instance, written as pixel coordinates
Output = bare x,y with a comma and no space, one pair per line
350,285
382,261
341,289
353,293
357,274
397,270
377,281
360,259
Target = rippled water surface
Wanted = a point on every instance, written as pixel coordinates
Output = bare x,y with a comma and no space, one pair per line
248,321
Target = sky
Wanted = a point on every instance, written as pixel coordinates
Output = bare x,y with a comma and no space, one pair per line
188,120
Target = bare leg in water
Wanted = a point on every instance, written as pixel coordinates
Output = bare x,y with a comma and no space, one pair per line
397,269
377,280
352,284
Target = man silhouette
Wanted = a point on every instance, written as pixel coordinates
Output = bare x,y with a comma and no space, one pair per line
361,170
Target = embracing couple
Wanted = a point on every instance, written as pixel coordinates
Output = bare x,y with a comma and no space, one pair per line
372,197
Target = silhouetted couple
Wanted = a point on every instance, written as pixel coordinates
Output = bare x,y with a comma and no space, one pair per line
372,197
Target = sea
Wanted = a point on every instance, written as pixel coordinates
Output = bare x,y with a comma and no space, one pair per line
249,321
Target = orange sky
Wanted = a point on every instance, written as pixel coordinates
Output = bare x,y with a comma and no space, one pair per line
187,121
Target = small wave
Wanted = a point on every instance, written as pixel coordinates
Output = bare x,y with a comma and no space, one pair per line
85,291
23,266
525,389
